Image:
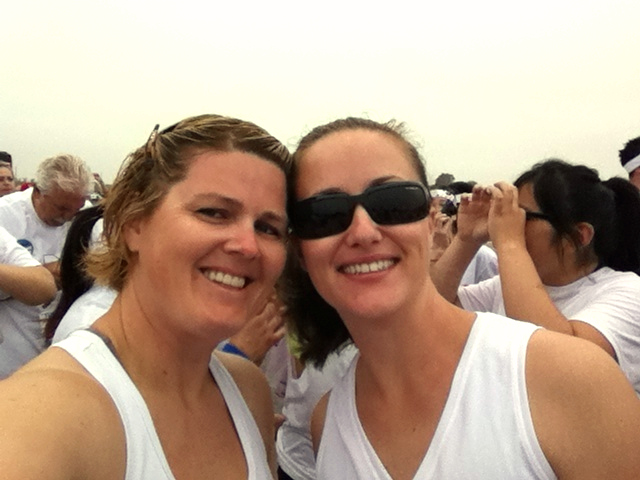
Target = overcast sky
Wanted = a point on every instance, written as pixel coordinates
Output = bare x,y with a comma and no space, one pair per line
487,88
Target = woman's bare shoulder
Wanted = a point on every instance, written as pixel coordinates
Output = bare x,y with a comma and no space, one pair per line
583,407
249,378
255,390
57,422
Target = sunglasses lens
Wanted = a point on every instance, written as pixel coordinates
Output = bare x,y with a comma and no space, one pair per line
388,204
322,216
397,203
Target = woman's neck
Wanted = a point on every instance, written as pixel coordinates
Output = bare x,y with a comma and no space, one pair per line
151,354
414,343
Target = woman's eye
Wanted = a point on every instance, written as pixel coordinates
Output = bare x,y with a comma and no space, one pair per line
266,227
212,212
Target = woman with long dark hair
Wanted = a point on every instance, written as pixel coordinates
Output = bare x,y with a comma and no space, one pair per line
435,391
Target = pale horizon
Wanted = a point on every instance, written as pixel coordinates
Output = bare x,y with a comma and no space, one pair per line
486,89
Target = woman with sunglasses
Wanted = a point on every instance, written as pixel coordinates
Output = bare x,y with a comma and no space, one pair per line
194,228
436,391
568,244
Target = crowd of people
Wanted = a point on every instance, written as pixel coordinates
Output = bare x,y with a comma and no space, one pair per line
228,309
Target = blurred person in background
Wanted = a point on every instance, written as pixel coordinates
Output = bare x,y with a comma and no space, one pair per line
568,244
630,160
37,218
7,182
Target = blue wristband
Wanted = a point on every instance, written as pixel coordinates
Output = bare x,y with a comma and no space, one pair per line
231,348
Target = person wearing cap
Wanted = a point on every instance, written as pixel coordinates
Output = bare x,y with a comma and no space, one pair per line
630,160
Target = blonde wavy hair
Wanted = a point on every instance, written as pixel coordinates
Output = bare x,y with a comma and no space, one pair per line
149,172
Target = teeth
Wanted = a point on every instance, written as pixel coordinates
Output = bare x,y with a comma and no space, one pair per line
368,267
226,279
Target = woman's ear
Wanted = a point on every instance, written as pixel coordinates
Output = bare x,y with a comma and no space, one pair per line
585,233
132,234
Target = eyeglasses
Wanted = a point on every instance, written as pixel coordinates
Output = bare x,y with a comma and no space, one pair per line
536,216
388,204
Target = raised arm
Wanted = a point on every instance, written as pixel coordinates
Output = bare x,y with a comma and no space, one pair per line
524,294
260,333
447,271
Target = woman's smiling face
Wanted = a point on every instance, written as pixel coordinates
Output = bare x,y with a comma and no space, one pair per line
211,252
369,269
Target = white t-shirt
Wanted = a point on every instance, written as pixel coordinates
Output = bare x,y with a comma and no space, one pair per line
607,300
85,310
20,219
293,443
483,265
20,339
12,253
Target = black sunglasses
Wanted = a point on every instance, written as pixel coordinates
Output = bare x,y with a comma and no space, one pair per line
536,216
387,204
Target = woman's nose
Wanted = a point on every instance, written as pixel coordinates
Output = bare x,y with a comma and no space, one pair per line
362,229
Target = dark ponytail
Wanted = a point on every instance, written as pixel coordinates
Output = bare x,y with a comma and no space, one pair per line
74,281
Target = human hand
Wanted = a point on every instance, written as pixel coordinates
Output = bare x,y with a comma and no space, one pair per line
441,235
506,217
54,269
262,331
473,214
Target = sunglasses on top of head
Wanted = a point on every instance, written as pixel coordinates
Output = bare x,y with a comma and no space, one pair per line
331,213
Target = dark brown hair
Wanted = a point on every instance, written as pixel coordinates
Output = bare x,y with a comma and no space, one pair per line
316,325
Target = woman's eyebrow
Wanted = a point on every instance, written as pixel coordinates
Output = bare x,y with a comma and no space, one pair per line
237,204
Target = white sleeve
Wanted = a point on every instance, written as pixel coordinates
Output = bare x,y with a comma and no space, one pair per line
12,253
614,310
487,266
485,296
